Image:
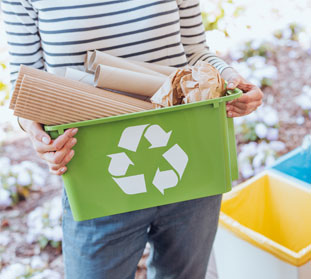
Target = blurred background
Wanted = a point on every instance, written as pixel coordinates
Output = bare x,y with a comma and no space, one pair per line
267,41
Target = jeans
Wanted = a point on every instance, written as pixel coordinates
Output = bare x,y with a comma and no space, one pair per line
181,236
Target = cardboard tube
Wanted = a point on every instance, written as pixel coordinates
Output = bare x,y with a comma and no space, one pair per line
75,96
127,81
79,76
45,76
87,61
102,58
51,104
165,70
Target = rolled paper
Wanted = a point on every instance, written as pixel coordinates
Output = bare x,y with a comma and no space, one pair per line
87,61
102,58
86,88
165,70
53,104
79,76
127,81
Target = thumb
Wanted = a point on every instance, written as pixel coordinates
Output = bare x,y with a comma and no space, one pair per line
233,82
39,134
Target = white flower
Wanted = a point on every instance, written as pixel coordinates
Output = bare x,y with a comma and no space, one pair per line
304,101
261,130
269,116
57,234
273,134
300,120
5,198
37,263
47,274
277,145
5,164
24,178
45,221
257,61
258,160
13,271
4,239
11,180
247,170
269,161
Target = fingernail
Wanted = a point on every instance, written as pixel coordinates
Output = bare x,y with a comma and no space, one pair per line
73,142
231,85
46,140
63,170
230,114
71,153
74,131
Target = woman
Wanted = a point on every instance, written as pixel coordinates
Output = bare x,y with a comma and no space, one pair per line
54,34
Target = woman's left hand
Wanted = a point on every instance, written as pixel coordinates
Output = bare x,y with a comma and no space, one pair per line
249,101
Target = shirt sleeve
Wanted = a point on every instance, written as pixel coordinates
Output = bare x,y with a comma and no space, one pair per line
193,35
21,26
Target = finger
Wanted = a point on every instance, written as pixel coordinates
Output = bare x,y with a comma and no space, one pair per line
233,82
251,96
43,148
60,155
36,131
232,114
63,139
237,104
244,111
65,161
237,110
246,86
60,171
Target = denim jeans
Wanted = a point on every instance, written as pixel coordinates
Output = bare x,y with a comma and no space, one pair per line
181,236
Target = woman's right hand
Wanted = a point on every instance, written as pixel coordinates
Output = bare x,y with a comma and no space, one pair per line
58,152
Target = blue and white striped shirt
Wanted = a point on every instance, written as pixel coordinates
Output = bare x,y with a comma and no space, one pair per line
54,34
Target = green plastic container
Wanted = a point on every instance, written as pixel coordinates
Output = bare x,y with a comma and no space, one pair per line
150,158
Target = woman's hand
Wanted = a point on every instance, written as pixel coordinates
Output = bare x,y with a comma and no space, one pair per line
249,101
57,153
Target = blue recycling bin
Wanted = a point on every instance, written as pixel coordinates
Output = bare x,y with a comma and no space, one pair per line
297,165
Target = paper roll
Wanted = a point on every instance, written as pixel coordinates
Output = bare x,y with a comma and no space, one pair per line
24,70
53,104
87,61
127,81
102,58
79,76
165,70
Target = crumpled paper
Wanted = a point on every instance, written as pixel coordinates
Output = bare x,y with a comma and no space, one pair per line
188,85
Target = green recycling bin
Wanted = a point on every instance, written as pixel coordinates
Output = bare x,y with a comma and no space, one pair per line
140,160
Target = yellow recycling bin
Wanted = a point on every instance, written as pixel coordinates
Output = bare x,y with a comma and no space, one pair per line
265,230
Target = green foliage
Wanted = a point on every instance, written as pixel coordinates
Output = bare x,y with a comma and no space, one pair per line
4,88
264,50
292,33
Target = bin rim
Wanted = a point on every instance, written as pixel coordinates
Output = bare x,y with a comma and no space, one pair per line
294,180
287,156
294,258
282,159
215,102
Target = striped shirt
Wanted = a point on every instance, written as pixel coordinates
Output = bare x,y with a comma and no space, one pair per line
55,34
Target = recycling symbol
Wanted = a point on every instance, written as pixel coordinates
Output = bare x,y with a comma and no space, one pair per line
157,137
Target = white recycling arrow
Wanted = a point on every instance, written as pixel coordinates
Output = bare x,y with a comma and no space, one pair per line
131,136
132,185
165,179
177,158
157,136
119,163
